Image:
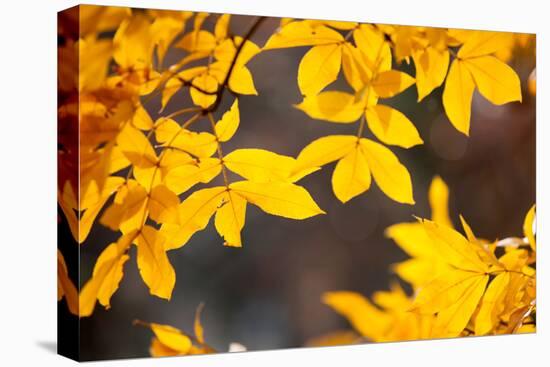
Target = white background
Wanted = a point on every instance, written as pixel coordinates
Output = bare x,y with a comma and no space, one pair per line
28,181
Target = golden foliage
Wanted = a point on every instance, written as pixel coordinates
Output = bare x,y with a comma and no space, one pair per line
137,175
462,285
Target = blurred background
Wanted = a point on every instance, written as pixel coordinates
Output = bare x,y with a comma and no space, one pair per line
266,295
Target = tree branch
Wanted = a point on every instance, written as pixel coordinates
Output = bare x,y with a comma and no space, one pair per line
223,86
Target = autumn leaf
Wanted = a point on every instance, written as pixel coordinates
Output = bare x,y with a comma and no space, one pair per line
163,205
392,127
195,213
302,33
230,218
490,308
319,67
183,177
474,67
171,338
332,106
261,165
365,317
438,196
431,67
457,96
390,83
389,174
351,176
65,286
106,277
278,198
153,263
229,123
197,325
529,227
133,43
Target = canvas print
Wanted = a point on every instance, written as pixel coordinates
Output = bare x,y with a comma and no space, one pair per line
232,183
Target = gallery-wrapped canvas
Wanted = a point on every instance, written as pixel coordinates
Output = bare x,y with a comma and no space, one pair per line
230,183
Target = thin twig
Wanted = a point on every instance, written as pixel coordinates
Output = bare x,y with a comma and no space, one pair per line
223,85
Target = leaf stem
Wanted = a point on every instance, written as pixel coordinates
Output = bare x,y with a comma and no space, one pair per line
224,84
219,150
182,111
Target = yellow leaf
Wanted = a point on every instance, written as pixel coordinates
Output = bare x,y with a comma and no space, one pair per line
278,198
93,72
532,82
392,127
417,271
141,118
363,316
488,316
166,130
157,349
201,144
197,326
226,51
451,321
182,178
438,196
241,81
92,203
392,82
170,134
325,150
457,96
431,69
107,274
495,80
135,146
514,260
222,26
173,158
445,290
372,43
200,41
260,165
480,43
229,123
68,210
302,33
332,106
395,299
163,205
355,70
230,218
207,83
164,30
65,286
133,43
529,227
389,174
319,67
425,264
454,248
154,266
344,26
96,18
172,338
195,213
128,211
468,230
351,176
